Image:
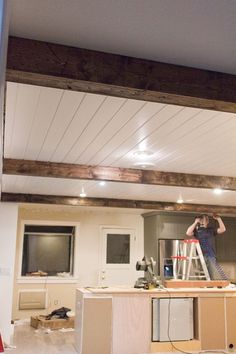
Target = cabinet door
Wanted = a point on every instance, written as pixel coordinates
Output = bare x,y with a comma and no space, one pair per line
131,324
97,326
231,321
212,323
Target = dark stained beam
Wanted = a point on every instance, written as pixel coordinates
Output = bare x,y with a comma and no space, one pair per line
116,203
115,174
52,65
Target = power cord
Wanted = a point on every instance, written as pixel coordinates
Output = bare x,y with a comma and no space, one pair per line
171,341
168,325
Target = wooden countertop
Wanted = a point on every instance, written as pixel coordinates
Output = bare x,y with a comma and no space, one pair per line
231,290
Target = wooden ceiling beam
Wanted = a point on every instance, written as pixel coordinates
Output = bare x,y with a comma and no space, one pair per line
116,203
115,174
58,66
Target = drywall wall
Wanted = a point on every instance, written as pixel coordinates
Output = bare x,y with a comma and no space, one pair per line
88,255
8,228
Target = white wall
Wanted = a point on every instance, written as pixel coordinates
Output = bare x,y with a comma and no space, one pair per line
88,256
8,231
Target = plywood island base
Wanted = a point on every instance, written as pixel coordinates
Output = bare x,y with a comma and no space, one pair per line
192,345
119,320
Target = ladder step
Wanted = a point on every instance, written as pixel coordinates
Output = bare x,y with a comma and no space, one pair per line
186,263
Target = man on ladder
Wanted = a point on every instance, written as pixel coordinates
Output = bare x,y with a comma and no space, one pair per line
205,233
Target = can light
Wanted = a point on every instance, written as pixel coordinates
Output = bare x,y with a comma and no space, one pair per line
83,194
144,164
142,154
102,183
217,191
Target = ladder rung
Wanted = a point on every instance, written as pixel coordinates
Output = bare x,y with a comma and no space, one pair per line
192,253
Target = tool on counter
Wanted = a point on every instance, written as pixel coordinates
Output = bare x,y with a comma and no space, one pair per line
150,279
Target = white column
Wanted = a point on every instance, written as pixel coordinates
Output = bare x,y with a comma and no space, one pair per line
8,230
4,28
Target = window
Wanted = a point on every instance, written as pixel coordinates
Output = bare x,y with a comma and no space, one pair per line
118,249
48,250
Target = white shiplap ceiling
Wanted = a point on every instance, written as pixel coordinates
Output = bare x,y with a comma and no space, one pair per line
56,186
75,127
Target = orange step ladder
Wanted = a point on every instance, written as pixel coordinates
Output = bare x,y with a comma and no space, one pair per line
189,261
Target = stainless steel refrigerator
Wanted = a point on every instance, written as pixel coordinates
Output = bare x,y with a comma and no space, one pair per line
166,249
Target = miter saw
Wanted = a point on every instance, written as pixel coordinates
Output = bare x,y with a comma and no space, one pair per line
150,278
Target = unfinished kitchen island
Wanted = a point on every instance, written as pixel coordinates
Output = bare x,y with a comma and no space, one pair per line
122,320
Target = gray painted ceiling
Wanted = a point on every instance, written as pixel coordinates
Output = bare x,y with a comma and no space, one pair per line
197,33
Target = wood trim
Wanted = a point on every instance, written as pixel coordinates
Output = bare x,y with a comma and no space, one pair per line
179,283
115,174
116,203
53,65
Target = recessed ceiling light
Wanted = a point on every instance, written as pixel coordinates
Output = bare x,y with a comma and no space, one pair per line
144,164
142,154
180,200
102,183
217,190
83,194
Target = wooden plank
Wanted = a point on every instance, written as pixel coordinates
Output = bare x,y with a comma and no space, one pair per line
190,345
97,326
131,323
53,65
212,323
230,321
196,283
115,174
116,203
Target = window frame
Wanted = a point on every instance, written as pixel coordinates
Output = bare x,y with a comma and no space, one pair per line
48,279
104,231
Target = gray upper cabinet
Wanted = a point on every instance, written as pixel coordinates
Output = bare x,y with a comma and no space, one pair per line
173,226
226,243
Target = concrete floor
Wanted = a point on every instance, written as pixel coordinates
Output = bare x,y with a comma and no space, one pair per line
30,341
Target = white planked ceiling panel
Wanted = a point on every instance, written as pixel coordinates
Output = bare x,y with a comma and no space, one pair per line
148,114
56,186
133,137
131,111
25,106
87,109
106,112
66,110
75,127
160,130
